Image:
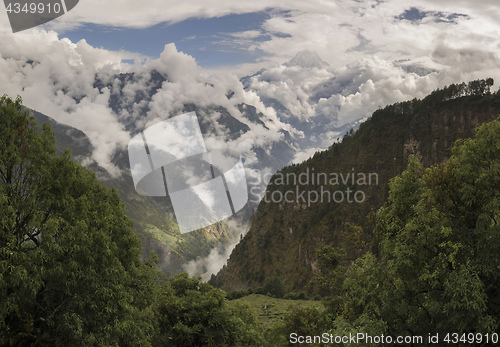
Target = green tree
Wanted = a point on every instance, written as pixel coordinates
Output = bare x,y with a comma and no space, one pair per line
70,273
303,321
274,286
440,249
192,313
331,273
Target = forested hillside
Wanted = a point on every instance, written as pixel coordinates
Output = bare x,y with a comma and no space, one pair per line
285,236
432,276
423,263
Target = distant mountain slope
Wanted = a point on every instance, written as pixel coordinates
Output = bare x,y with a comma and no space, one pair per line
273,118
285,235
67,137
131,97
153,217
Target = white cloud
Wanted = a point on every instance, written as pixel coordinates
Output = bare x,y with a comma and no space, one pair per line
50,74
130,14
304,155
211,264
248,34
360,40
57,77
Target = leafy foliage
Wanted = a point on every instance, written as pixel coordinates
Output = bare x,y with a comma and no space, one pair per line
68,255
70,268
192,313
273,286
440,248
303,321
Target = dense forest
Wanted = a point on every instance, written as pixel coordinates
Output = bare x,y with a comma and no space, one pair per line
285,237
425,262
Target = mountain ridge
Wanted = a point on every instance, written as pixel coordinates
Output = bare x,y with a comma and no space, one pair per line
141,97
284,237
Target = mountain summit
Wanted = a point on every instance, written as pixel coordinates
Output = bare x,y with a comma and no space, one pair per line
307,60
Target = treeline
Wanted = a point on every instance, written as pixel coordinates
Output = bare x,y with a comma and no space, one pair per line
454,91
477,88
274,287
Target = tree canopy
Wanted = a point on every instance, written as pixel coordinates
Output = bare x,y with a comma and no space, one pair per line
69,258
439,251
70,267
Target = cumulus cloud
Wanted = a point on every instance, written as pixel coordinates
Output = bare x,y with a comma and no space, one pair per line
320,99
93,90
349,31
56,77
331,28
129,14
369,64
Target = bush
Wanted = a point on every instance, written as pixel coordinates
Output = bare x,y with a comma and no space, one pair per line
193,313
302,296
274,286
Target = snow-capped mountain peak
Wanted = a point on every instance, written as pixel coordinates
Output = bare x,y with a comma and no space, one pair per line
307,59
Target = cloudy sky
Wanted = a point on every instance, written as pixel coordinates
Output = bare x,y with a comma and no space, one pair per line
225,33
370,53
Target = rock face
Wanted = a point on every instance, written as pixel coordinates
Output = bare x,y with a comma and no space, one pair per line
283,238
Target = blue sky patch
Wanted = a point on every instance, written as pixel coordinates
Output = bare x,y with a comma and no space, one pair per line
416,15
207,40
